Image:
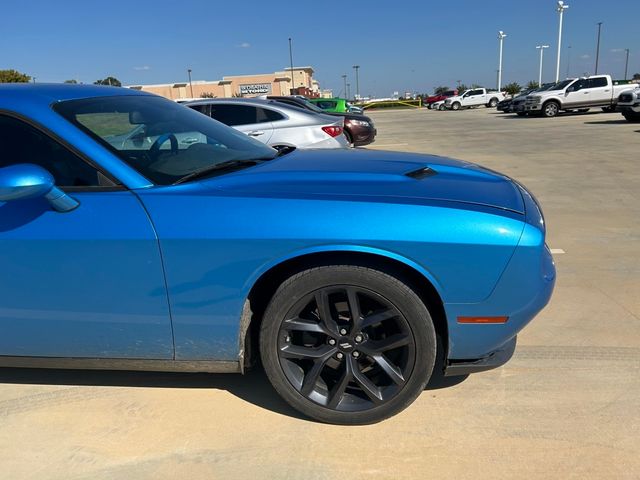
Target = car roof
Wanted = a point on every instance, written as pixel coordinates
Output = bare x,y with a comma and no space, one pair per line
258,102
48,93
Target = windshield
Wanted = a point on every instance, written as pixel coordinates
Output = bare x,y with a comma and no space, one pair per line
311,106
161,139
561,85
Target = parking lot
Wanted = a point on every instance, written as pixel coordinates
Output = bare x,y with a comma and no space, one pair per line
566,406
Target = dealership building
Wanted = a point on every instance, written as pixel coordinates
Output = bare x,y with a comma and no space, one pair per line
277,83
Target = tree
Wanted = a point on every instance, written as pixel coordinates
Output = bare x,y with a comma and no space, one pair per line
636,76
114,82
512,88
207,95
462,87
71,81
13,76
440,90
532,84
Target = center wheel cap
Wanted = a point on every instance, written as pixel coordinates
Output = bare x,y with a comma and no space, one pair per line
345,345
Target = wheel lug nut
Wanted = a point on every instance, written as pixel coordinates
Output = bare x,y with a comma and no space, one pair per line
339,355
358,338
332,341
343,331
356,354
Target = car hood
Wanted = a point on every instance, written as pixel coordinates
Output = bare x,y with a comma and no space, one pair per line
368,175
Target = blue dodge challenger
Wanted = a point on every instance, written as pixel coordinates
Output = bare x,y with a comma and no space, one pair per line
136,233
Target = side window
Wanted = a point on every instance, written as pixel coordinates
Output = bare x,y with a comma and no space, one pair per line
580,84
476,92
233,115
597,82
268,115
22,143
200,108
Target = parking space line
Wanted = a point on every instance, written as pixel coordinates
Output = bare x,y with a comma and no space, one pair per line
557,251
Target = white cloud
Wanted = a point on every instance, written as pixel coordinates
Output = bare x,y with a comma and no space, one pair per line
143,67
617,50
585,57
244,45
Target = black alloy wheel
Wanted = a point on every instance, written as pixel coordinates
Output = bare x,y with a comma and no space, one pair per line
347,344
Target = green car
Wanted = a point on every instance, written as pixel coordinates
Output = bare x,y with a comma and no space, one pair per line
335,105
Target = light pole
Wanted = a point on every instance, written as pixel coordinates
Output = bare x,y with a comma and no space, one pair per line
598,47
344,80
293,86
190,84
348,91
568,59
501,37
561,8
541,48
626,63
356,68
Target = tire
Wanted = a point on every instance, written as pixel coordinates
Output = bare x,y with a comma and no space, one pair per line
349,137
314,356
550,109
455,106
442,108
492,103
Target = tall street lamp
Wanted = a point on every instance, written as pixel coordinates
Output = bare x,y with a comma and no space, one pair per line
190,84
348,90
356,68
568,59
561,8
344,80
541,48
598,47
501,37
626,63
291,92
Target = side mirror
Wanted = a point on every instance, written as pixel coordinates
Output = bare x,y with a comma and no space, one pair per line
24,181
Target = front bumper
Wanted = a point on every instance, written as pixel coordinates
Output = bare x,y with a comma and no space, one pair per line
495,359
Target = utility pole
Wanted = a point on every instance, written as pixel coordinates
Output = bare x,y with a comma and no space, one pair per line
598,47
568,59
291,65
190,84
344,80
348,91
626,63
356,68
501,37
541,48
560,9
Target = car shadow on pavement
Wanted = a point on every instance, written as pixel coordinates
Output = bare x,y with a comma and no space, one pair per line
608,122
252,387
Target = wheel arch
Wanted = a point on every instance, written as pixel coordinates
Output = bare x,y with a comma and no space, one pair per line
267,282
551,100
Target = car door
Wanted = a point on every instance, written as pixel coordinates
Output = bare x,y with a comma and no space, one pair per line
245,118
475,97
599,91
87,283
577,94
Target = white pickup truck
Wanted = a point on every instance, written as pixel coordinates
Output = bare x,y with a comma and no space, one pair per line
474,98
629,103
577,94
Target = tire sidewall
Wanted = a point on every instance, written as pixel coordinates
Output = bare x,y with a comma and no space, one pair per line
547,105
407,302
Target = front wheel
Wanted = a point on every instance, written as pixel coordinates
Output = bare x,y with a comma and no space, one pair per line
347,344
455,106
442,108
550,109
492,103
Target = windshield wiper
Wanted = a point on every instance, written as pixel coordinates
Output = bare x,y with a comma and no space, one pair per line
206,171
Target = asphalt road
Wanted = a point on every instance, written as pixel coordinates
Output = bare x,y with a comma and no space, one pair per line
566,406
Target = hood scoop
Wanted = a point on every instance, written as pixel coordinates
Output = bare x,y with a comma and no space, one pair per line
421,173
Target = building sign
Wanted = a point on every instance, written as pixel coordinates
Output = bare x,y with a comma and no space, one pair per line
255,89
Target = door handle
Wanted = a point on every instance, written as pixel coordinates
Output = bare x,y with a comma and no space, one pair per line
586,93
256,133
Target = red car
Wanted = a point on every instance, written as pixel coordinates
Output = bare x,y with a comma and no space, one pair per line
438,98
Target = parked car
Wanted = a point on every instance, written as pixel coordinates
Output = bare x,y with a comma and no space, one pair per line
274,123
359,129
629,104
429,101
349,272
579,94
438,105
474,97
335,105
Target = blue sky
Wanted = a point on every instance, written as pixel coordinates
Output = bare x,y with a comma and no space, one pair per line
400,46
